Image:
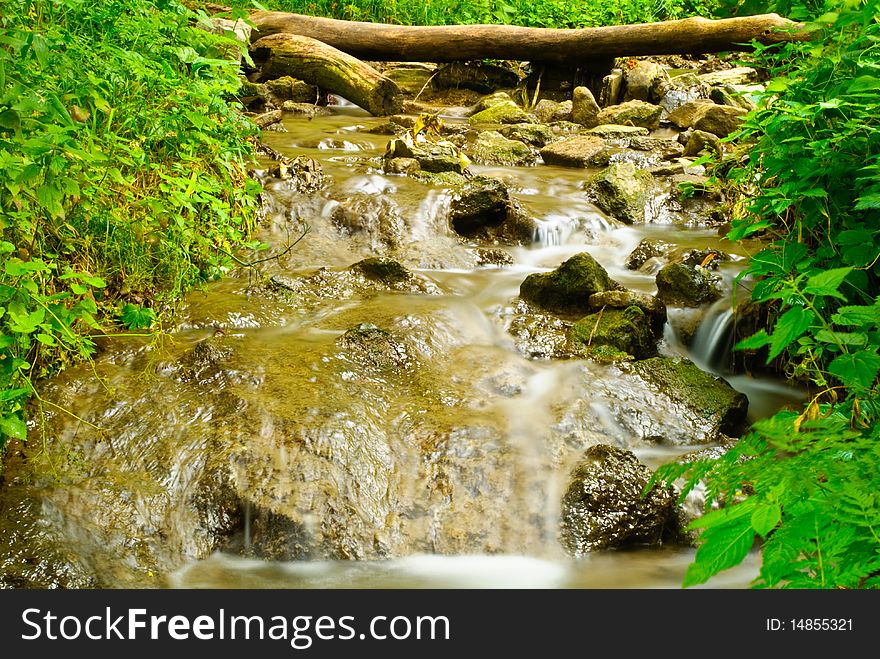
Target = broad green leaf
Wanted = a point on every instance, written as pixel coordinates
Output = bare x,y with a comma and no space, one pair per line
13,426
827,282
46,339
858,369
864,84
766,517
136,317
12,394
10,120
788,328
857,315
725,542
757,340
842,338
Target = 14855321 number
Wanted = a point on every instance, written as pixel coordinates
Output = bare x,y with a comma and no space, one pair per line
821,624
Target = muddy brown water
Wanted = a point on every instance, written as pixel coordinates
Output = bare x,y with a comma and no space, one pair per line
273,456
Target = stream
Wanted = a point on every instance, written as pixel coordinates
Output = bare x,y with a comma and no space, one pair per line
301,426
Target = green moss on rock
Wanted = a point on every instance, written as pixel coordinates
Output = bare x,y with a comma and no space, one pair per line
385,270
627,331
568,288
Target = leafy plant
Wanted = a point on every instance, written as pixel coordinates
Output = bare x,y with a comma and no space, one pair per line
122,175
806,482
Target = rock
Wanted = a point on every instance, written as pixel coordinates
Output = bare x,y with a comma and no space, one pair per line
492,148
603,506
568,288
682,89
401,166
663,148
491,101
627,332
584,108
573,151
645,81
373,349
686,286
631,113
614,131
375,218
387,271
204,363
483,78
649,304
539,335
479,203
287,88
728,95
611,85
720,120
622,191
700,141
648,248
506,112
410,77
536,135
548,111
740,75
432,157
268,118
493,256
299,175
715,405
685,115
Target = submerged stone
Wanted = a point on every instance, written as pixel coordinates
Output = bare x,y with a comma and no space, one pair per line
478,203
603,506
568,288
381,269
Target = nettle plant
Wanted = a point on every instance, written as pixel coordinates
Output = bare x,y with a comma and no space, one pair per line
123,177
807,482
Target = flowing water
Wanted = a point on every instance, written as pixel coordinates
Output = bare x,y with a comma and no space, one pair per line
302,426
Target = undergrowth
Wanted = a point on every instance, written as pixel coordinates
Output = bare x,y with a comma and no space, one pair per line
123,178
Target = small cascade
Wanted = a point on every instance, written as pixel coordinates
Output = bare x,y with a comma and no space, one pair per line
554,230
713,342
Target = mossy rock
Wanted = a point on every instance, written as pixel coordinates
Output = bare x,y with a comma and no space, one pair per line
718,404
373,348
568,288
506,112
536,135
631,113
492,148
480,202
627,331
621,190
679,284
604,506
387,271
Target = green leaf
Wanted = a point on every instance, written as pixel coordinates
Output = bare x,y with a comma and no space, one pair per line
10,120
827,282
46,339
137,317
842,338
766,517
858,369
726,541
13,426
788,328
857,315
757,340
864,84
11,394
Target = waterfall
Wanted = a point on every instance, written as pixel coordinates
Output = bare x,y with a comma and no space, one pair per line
713,342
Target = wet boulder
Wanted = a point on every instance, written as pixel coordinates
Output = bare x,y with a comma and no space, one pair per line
537,135
737,76
480,202
700,141
682,285
616,131
648,248
631,113
492,148
661,149
506,112
720,120
387,271
603,506
682,89
622,191
478,76
568,288
728,95
286,88
615,334
650,305
686,114
645,82
713,405
584,108
540,335
576,151
491,101
432,157
611,85
548,111
204,362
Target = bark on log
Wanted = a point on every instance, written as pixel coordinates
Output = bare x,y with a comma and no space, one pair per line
373,41
328,68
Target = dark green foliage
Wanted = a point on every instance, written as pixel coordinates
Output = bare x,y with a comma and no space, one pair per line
122,175
810,179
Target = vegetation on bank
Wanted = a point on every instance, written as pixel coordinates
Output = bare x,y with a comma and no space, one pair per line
807,481
123,176
528,13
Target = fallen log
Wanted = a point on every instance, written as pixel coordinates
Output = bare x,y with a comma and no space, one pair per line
378,42
330,69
